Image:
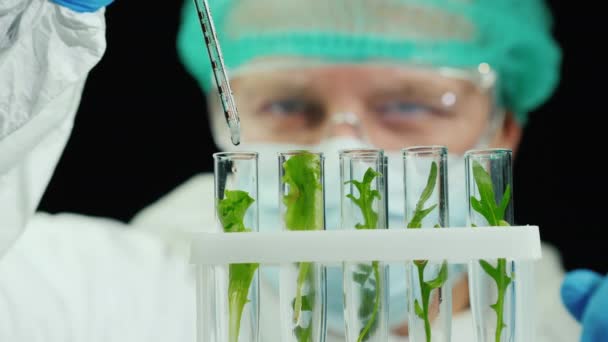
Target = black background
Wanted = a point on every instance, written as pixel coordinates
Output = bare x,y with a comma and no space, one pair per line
141,130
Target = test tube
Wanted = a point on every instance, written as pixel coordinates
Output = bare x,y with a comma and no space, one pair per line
426,207
236,289
491,282
302,284
363,205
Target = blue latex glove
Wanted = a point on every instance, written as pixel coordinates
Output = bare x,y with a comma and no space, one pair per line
83,6
585,294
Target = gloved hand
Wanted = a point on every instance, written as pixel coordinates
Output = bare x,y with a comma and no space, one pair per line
83,5
585,294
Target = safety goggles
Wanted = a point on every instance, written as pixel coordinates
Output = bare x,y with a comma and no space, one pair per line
386,105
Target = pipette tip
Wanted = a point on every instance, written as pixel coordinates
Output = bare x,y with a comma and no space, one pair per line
235,133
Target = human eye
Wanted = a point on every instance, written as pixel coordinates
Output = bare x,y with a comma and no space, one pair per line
291,113
286,108
405,110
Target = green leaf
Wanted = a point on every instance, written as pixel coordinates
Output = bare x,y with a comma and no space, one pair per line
353,198
232,209
419,215
366,268
303,334
486,205
480,208
506,197
304,200
366,307
419,212
306,303
430,186
418,309
365,201
369,176
486,192
240,277
441,277
424,212
360,278
489,269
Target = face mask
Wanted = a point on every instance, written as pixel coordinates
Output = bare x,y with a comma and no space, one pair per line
270,219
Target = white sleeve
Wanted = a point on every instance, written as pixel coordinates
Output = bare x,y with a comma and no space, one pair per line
71,278
188,208
46,52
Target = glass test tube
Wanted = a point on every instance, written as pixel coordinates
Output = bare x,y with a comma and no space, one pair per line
491,282
302,284
236,286
363,206
426,207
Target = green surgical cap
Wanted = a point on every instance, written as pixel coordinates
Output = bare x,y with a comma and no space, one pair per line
512,36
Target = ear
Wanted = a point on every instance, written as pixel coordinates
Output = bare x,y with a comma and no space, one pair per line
509,135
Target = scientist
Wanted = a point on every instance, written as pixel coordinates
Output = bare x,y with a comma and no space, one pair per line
339,74
387,74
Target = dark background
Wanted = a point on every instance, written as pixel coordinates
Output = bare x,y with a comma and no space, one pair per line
141,130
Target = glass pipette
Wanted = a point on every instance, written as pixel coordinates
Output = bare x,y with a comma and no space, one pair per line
219,70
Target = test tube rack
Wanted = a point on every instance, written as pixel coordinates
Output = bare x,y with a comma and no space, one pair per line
332,247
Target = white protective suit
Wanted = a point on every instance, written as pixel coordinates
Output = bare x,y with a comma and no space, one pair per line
45,54
69,278
72,278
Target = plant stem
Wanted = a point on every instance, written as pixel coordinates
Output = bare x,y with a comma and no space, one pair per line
425,294
372,319
502,287
302,275
494,213
502,280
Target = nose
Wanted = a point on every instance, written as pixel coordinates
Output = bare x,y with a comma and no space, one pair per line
344,124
